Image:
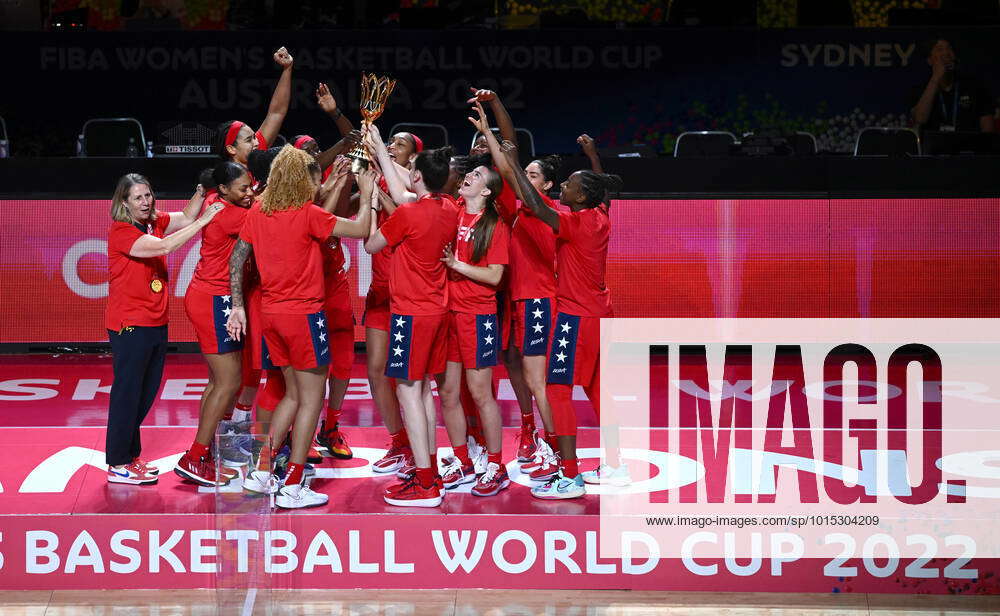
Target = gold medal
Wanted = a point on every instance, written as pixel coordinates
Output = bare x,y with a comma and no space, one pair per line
156,285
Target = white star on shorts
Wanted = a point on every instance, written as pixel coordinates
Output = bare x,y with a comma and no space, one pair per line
537,313
398,336
322,337
566,327
226,311
319,322
488,339
536,301
537,327
397,351
400,322
225,298
563,342
488,325
561,356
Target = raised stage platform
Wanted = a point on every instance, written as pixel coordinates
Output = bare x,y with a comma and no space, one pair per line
62,526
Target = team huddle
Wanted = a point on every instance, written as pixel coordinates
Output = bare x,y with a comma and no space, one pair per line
473,265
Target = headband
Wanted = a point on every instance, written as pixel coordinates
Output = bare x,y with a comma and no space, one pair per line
302,140
234,130
418,143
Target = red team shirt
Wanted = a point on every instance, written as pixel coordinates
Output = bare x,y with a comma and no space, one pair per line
464,293
286,248
582,250
334,277
211,275
132,298
532,252
417,275
382,258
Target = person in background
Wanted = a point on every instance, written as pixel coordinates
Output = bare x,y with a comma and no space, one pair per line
139,240
951,100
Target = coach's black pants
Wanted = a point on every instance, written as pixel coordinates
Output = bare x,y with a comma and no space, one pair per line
139,353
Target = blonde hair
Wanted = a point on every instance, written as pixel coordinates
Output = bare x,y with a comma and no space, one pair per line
119,210
290,184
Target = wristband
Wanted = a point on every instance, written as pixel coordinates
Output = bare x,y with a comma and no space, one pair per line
337,113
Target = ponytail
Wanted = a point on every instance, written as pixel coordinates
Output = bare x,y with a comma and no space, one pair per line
597,187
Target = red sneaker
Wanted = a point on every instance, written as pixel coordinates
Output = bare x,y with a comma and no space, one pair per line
200,471
547,469
393,460
412,494
409,467
333,441
492,481
150,470
313,456
526,444
455,474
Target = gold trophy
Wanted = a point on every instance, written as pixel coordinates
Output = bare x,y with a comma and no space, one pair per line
375,92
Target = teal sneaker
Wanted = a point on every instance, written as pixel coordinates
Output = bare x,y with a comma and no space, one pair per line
560,487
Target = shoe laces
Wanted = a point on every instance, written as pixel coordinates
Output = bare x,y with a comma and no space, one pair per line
492,470
454,466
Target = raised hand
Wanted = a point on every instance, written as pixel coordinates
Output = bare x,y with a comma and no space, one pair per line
482,96
480,121
283,58
587,144
324,99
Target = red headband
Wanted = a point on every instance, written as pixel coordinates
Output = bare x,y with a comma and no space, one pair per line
233,132
301,141
418,143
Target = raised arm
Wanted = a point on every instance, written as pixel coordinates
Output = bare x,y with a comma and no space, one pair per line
236,325
187,216
327,156
514,174
589,147
359,227
282,96
337,186
504,123
397,188
151,246
328,104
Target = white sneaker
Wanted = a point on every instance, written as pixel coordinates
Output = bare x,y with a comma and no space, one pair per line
608,475
261,482
297,496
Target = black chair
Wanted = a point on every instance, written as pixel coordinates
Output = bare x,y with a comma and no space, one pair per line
525,142
433,135
704,143
801,142
884,141
112,137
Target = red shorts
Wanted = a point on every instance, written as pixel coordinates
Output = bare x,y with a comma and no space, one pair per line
341,328
575,354
376,314
208,314
532,324
418,346
297,340
473,339
254,336
274,391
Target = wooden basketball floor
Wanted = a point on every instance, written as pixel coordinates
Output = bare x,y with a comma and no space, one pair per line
489,603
